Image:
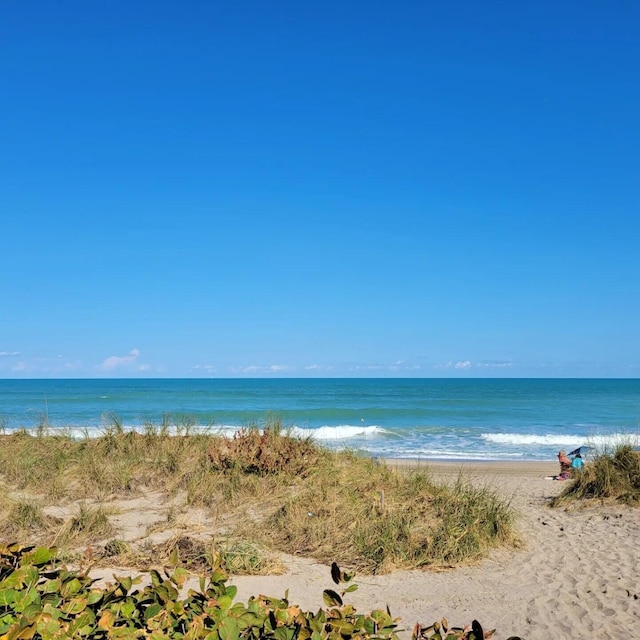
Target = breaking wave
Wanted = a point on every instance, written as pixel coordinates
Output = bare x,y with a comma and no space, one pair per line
341,432
600,441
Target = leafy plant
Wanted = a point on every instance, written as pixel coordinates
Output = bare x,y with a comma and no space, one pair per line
39,598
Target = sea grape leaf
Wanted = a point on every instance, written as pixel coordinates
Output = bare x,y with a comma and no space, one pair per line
331,598
39,556
229,629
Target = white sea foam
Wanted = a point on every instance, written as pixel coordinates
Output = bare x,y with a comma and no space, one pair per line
562,439
440,454
340,432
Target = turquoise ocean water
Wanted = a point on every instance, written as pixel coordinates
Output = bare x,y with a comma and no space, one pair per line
497,419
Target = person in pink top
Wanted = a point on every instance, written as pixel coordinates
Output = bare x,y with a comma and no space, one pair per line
565,466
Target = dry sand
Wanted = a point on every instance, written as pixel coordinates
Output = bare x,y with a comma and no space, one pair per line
576,575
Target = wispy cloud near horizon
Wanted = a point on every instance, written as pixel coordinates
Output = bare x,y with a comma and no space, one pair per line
465,365
258,369
117,362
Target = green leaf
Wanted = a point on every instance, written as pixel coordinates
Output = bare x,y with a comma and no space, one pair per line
151,611
52,586
39,556
179,576
229,629
31,610
125,582
353,587
50,629
7,597
86,622
128,608
370,625
75,605
331,598
283,633
71,587
343,626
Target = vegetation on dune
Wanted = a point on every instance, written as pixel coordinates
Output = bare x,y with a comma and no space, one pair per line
611,475
40,598
272,491
376,520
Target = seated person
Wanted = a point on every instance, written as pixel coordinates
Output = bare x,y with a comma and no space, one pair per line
577,464
565,466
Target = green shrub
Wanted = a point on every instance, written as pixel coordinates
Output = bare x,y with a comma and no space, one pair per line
39,598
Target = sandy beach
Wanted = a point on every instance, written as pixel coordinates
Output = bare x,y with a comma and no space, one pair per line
576,575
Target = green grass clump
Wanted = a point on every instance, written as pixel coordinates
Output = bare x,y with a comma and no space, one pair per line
26,514
609,476
243,558
88,523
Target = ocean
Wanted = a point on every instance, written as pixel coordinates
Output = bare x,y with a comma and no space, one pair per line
447,419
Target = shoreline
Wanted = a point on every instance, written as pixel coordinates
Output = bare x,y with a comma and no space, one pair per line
528,467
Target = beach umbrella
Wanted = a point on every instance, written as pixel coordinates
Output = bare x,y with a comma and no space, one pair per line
580,450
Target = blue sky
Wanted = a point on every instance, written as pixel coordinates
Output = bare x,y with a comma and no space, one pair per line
279,188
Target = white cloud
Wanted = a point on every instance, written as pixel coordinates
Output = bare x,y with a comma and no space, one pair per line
495,364
399,365
209,368
277,368
116,362
255,369
9,354
47,366
250,369
462,364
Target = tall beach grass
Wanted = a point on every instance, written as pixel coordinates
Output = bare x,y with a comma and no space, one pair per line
273,491
609,475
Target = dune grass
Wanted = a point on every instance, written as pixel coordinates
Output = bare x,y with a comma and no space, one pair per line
376,519
610,476
273,491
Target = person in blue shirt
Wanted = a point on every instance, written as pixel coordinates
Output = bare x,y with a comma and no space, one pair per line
577,464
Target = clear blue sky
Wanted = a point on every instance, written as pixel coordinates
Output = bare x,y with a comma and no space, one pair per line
283,188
